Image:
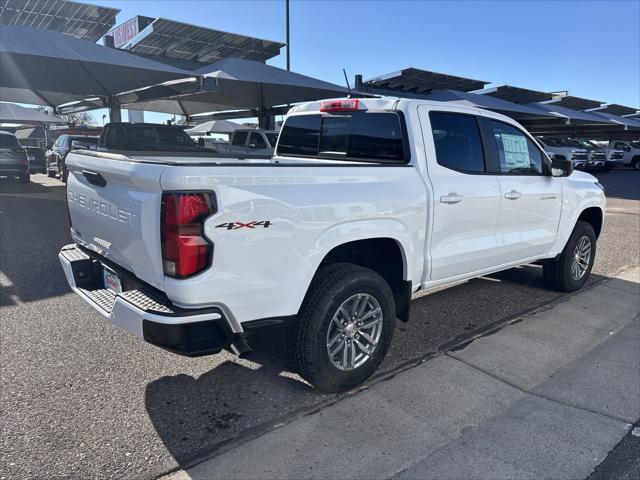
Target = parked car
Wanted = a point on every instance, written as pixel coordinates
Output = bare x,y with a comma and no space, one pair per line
563,151
631,152
13,158
365,202
57,154
614,156
596,156
37,161
252,141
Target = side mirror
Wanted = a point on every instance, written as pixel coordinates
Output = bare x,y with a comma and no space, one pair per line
561,167
626,148
201,142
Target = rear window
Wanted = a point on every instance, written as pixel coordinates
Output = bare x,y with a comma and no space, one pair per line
354,136
457,140
8,141
148,137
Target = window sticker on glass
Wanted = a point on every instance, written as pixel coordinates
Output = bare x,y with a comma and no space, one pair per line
516,151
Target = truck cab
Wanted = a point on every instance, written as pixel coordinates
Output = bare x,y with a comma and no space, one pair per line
631,152
252,142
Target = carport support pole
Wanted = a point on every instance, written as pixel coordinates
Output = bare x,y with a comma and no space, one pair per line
115,114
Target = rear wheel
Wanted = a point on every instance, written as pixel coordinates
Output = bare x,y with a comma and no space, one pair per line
26,178
344,328
636,163
569,271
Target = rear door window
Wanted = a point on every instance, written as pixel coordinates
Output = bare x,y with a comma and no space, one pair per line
457,140
353,136
8,141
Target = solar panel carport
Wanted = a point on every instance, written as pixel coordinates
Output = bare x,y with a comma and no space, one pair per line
88,22
42,67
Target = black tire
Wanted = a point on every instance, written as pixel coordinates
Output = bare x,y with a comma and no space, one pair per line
558,271
636,163
332,286
26,178
50,173
63,172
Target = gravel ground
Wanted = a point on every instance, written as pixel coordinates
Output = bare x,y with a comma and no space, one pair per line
80,398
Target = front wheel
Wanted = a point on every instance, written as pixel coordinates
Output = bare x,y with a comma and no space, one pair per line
344,327
569,271
636,163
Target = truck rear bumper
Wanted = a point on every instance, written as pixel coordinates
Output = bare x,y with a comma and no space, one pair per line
143,312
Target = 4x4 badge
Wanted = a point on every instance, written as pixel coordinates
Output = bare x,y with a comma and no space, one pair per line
237,225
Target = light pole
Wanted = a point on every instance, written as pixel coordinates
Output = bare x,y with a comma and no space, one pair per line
286,3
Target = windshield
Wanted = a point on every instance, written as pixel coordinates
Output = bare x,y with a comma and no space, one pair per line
8,141
272,138
549,142
149,137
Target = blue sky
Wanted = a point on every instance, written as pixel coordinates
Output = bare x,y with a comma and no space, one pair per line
590,48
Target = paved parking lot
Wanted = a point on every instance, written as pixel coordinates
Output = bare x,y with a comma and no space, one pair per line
79,397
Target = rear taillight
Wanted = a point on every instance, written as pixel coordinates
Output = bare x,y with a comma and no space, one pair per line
346,105
185,251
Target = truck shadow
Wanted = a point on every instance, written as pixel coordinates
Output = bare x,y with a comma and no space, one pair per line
197,416
33,227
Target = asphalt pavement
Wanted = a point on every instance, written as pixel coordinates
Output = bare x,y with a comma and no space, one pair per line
81,398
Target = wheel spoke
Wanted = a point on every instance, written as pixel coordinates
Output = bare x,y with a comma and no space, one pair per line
372,323
356,306
332,353
368,338
364,349
336,338
345,353
370,314
352,347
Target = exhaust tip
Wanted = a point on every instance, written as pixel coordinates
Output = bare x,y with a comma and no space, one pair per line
240,347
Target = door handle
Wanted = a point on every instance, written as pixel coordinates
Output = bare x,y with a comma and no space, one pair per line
512,195
451,198
94,178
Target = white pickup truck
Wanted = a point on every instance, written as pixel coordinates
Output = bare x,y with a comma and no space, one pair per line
364,203
631,152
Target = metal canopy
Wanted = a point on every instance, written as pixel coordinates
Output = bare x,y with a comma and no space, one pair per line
624,121
513,94
414,80
571,116
48,68
88,22
214,126
159,36
615,109
575,103
520,112
12,113
240,84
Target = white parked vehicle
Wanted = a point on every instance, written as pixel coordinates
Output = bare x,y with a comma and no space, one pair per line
364,203
631,152
564,151
251,141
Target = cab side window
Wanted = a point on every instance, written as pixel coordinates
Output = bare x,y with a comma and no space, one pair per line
518,155
457,140
239,139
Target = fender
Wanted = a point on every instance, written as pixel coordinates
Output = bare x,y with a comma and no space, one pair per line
568,222
343,233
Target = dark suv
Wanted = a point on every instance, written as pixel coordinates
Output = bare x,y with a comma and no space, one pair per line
13,158
57,154
37,162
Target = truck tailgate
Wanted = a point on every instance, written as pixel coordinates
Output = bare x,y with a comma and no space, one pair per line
114,207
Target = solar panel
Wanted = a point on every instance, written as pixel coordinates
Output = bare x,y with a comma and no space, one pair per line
89,22
182,41
414,80
575,103
615,109
516,94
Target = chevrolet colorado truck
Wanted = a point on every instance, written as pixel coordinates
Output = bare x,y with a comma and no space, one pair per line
364,203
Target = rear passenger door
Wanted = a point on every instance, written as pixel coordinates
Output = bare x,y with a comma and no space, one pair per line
531,197
466,199
239,143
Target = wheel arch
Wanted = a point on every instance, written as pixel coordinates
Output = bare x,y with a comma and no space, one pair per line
594,216
384,255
